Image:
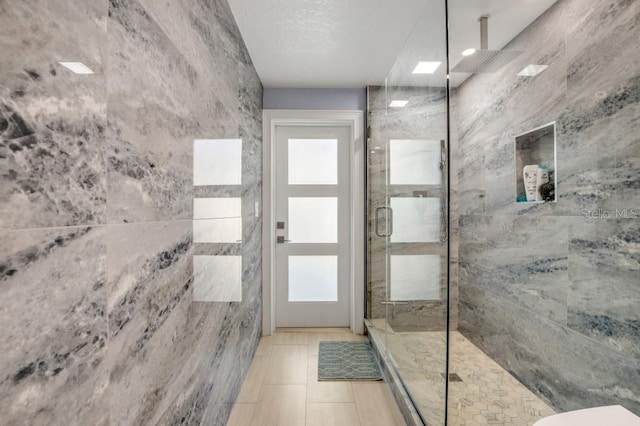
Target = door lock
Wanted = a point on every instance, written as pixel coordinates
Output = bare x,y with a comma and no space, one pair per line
281,240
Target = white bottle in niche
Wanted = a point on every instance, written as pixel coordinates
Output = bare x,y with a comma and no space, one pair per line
530,176
541,178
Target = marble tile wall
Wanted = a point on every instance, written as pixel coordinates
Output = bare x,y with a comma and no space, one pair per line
425,117
550,290
99,322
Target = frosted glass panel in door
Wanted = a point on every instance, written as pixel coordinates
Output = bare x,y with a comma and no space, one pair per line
415,277
313,278
313,220
415,219
313,161
414,162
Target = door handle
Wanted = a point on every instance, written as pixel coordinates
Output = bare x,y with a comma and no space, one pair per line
444,222
388,221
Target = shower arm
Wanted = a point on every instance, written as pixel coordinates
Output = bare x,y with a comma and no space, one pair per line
484,32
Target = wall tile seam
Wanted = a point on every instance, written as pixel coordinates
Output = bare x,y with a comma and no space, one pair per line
541,318
517,125
562,110
537,215
105,225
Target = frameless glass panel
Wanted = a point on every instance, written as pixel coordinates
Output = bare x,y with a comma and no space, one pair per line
415,219
217,278
408,120
217,220
313,278
415,277
217,162
414,162
313,220
313,161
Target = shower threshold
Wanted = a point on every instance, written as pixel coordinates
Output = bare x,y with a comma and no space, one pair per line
482,392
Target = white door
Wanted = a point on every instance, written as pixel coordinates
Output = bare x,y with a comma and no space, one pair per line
312,216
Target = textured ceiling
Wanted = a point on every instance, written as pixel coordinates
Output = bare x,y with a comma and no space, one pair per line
353,43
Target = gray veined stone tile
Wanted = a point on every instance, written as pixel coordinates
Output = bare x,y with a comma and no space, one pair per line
500,183
603,48
52,172
251,136
473,228
423,118
176,72
597,151
606,310
551,295
220,360
471,178
627,149
563,367
202,35
149,150
194,354
150,293
534,279
250,95
598,244
539,233
488,101
54,326
522,258
603,294
52,121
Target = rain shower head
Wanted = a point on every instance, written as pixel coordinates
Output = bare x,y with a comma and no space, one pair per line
485,60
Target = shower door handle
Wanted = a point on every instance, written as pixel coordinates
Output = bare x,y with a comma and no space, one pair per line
388,221
444,223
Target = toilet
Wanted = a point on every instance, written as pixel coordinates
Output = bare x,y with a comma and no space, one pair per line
612,415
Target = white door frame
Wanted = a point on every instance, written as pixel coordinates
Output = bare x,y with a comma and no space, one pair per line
355,121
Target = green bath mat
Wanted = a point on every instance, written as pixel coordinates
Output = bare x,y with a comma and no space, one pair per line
347,361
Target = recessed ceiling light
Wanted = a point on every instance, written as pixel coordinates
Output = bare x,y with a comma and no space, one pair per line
424,67
398,104
77,67
531,70
468,52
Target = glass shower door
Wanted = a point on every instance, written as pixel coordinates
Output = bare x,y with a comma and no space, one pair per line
408,254
408,204
416,248
416,264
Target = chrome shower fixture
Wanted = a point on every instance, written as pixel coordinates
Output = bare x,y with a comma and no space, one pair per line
485,60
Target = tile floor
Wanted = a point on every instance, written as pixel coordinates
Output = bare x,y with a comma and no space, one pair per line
282,387
487,393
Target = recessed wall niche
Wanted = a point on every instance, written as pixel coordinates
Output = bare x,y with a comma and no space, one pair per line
536,171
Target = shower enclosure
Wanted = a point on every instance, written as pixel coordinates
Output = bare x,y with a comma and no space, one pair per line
484,308
408,204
